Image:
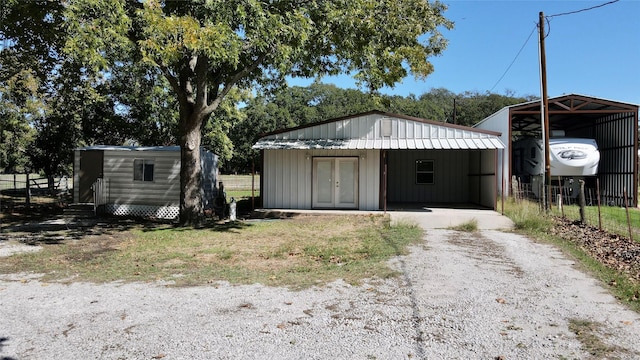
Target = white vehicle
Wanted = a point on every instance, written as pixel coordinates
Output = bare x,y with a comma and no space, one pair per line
569,157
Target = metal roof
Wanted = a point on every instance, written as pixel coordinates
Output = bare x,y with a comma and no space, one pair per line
378,130
566,112
130,148
412,144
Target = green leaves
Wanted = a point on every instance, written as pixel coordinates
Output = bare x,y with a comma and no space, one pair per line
97,31
168,39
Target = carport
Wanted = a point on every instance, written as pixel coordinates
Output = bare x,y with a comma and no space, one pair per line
613,124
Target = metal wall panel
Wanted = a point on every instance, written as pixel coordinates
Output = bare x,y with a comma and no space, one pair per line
501,123
460,176
451,181
369,127
615,135
287,177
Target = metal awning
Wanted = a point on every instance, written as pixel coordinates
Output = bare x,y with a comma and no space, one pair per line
485,143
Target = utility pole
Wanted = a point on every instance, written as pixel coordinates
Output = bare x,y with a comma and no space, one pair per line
545,115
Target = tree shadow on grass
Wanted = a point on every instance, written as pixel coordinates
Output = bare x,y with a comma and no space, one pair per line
47,225
51,228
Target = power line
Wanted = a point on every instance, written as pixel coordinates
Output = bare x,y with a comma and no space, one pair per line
574,12
514,59
548,24
581,10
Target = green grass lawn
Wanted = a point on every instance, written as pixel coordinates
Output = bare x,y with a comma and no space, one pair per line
296,252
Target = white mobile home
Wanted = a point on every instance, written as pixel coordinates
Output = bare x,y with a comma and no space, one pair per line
371,160
137,181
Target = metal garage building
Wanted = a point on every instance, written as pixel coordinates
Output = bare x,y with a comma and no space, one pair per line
369,160
613,124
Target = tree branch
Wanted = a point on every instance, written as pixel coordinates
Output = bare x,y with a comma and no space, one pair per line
234,79
173,81
201,68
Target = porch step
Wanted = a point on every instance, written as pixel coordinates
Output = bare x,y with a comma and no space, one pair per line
79,210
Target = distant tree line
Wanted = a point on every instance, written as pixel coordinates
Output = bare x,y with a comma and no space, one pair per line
297,106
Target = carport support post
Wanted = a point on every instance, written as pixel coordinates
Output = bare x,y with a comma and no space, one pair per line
384,181
253,183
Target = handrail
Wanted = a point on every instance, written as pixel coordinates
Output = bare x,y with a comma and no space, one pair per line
98,194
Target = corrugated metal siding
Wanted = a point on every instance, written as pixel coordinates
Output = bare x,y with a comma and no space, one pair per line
501,123
482,178
460,176
616,138
164,190
209,163
451,180
615,135
365,132
287,177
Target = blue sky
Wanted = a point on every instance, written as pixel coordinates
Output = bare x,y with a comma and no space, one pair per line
594,52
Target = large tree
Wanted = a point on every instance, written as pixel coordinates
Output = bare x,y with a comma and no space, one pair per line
32,74
207,48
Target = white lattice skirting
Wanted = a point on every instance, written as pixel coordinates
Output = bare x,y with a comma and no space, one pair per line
144,211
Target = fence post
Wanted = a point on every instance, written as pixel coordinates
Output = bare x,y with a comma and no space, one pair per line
560,205
599,209
28,193
582,202
626,206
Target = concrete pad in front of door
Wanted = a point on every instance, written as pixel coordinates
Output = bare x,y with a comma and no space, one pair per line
442,218
427,218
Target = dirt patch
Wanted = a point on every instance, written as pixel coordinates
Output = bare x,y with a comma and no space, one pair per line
478,247
614,251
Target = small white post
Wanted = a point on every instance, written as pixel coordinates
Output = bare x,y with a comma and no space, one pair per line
232,210
560,202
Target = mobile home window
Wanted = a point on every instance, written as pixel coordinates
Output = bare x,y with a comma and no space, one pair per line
424,172
143,170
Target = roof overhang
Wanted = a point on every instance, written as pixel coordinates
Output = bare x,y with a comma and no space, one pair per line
487,143
380,131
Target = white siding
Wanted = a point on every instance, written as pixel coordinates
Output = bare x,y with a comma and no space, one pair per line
287,177
120,187
287,166
365,132
501,123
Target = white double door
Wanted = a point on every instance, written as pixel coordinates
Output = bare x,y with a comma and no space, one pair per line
335,182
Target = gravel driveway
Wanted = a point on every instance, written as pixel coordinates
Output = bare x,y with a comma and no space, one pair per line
485,295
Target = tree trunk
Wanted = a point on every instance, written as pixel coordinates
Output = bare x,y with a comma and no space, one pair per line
191,211
51,184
